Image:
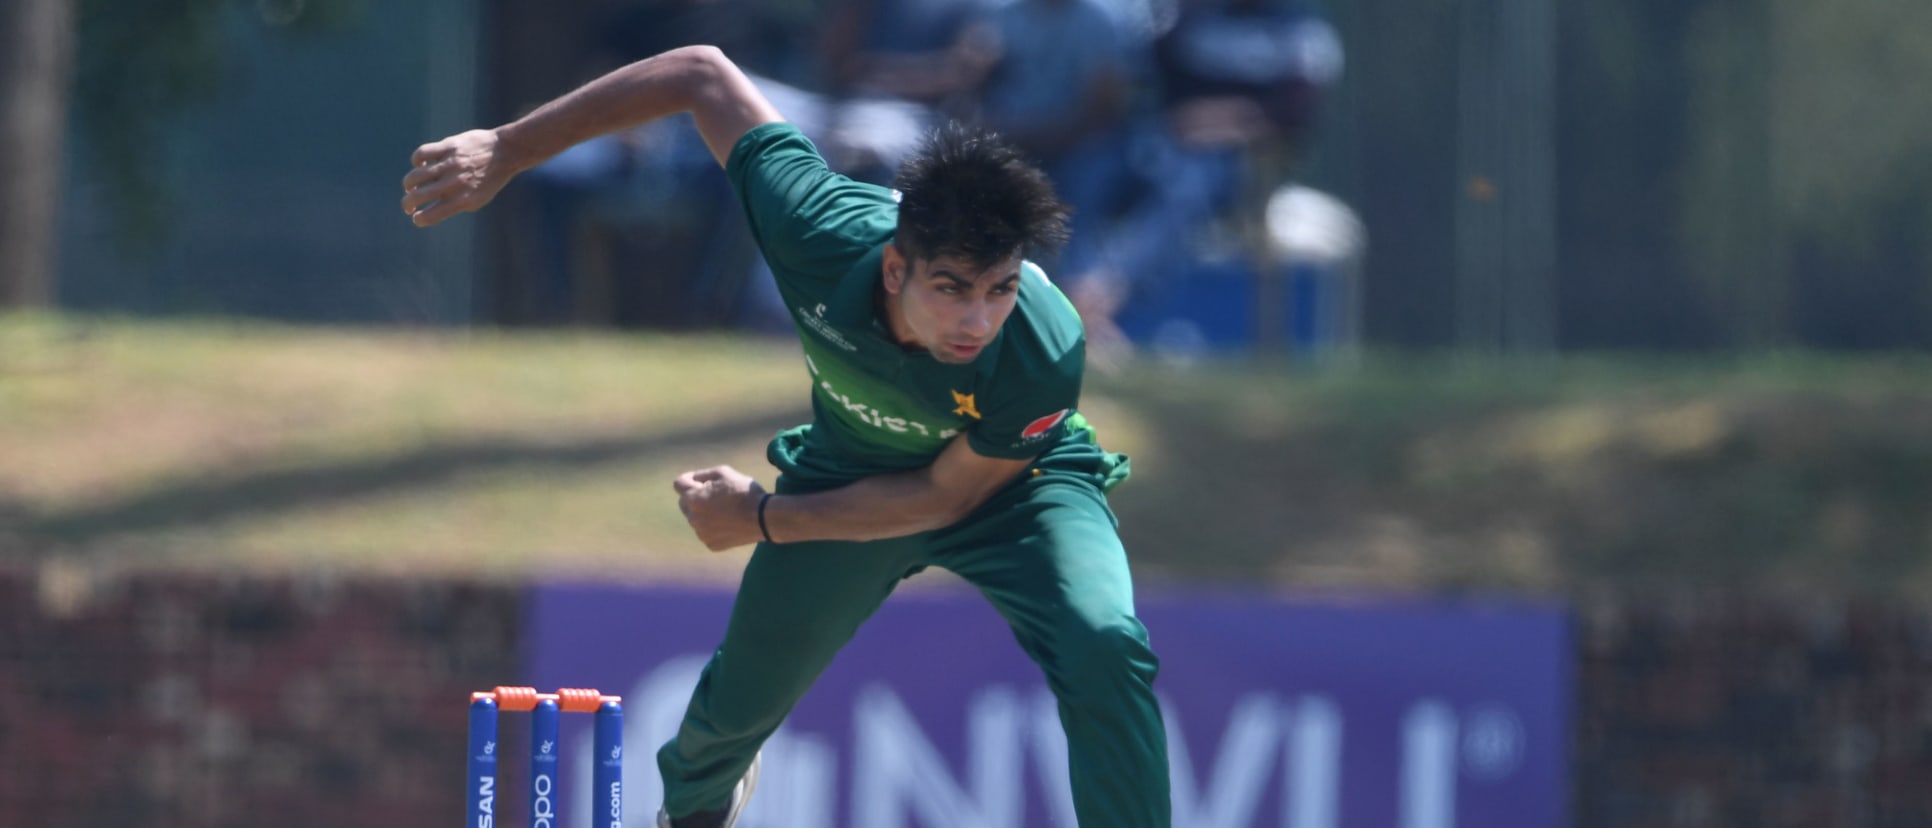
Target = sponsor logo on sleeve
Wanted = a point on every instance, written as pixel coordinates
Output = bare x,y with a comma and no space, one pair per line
1042,427
819,326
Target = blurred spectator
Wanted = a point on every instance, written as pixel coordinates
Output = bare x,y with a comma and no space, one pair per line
928,52
760,35
640,227
607,207
1058,87
1238,85
1238,73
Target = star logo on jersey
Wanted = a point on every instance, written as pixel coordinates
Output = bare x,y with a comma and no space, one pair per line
965,408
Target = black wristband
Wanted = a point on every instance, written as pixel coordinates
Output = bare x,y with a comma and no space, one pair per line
761,518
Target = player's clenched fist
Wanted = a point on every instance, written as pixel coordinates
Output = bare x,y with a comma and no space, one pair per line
721,504
458,174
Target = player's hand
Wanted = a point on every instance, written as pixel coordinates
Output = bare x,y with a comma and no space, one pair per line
721,504
458,174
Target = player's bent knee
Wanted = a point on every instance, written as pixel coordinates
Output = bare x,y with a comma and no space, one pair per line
1111,651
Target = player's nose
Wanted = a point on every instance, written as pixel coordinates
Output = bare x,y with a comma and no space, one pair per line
978,321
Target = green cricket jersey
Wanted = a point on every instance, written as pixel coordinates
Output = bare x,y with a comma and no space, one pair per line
877,407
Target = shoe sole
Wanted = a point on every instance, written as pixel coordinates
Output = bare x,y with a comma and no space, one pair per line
750,784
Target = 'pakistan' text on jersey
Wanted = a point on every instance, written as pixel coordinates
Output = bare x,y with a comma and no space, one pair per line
878,407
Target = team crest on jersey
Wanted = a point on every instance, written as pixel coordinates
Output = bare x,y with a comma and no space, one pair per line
965,408
1041,427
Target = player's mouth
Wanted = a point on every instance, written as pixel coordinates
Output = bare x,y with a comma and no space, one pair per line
964,351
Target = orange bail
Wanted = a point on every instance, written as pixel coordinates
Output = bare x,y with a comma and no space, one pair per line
578,700
516,698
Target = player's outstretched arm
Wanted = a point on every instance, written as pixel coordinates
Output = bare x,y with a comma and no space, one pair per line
463,172
722,503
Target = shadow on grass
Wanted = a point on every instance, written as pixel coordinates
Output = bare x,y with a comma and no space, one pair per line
191,502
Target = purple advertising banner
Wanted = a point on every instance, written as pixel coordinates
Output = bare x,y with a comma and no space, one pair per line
1385,713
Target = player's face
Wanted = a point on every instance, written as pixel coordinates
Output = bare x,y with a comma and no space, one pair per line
947,306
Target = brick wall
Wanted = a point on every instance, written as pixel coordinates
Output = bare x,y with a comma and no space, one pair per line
186,701
1748,712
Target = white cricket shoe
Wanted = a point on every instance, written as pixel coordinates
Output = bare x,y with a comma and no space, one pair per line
740,794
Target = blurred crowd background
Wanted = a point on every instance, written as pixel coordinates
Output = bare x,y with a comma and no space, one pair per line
1500,177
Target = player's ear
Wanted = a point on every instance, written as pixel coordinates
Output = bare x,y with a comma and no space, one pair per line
894,265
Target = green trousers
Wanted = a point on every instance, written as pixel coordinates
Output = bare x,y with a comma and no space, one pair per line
1045,551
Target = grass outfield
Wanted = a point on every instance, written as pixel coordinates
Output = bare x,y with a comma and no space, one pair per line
237,445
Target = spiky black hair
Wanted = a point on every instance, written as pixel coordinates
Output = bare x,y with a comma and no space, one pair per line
967,193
